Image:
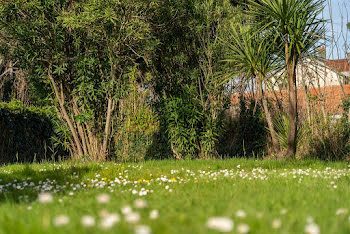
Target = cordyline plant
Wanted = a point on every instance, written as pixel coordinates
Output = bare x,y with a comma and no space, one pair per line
84,51
254,55
298,28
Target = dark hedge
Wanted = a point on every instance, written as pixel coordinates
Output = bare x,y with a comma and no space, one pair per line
25,133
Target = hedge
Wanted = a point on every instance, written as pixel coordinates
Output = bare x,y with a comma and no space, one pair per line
25,133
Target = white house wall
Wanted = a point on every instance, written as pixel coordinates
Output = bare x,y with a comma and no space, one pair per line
312,74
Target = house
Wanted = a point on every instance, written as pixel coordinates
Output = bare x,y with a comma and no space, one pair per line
322,85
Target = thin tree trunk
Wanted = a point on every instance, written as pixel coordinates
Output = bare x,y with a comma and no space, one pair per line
256,98
278,102
292,112
65,114
275,144
92,142
107,128
110,109
308,103
72,147
80,129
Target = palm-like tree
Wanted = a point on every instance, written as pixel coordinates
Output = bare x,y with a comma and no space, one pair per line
297,27
254,56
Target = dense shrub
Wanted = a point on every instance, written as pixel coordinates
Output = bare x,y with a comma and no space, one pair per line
26,133
245,133
183,118
329,140
135,126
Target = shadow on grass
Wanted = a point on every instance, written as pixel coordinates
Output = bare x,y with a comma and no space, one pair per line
24,184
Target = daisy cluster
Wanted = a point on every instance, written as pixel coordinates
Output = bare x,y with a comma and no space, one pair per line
226,224
131,215
125,181
107,220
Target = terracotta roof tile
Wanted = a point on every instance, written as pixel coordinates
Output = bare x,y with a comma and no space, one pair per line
339,65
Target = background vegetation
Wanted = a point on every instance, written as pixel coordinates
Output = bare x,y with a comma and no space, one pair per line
140,79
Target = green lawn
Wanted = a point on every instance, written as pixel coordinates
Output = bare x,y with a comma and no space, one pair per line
185,193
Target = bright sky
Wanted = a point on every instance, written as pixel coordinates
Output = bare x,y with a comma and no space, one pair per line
339,36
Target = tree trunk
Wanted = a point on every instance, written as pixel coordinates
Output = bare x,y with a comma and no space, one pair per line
110,109
268,116
292,100
80,129
65,114
107,129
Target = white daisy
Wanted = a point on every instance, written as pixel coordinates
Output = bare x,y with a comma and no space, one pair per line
132,217
312,228
276,223
109,221
61,220
283,211
140,203
243,228
88,221
241,214
221,224
143,229
341,211
103,198
154,214
126,210
45,198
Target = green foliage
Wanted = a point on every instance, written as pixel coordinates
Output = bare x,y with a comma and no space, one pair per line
281,124
330,141
82,54
346,106
295,22
135,126
250,53
183,119
27,133
187,78
137,79
297,27
245,133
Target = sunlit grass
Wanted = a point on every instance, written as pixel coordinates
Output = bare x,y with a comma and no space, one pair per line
185,193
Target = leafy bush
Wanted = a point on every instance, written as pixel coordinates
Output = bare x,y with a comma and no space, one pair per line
328,138
84,68
183,117
330,142
27,133
281,124
245,134
136,124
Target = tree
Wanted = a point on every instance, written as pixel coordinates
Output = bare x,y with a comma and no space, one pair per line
297,30
83,52
190,95
253,55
